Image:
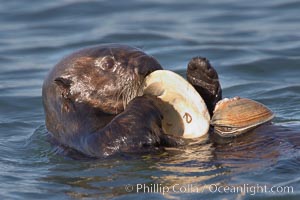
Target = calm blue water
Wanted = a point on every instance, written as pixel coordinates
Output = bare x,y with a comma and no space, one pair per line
254,46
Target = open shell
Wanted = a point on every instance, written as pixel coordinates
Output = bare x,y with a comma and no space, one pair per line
235,116
184,111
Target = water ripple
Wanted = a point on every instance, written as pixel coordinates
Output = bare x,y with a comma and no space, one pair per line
254,46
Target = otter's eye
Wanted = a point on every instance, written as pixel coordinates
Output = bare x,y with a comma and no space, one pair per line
106,63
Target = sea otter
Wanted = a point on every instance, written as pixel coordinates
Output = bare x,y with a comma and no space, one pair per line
86,96
94,101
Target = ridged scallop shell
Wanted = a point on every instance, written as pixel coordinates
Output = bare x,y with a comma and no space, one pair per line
184,111
237,115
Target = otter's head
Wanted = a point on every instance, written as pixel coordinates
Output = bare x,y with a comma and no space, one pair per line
105,77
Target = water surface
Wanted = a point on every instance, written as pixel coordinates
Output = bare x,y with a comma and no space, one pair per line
254,45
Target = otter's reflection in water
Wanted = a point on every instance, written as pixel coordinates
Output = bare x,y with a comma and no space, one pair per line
199,164
218,161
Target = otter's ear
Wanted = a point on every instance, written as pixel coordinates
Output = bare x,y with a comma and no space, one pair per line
64,84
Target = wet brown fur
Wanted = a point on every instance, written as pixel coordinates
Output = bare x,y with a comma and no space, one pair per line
85,94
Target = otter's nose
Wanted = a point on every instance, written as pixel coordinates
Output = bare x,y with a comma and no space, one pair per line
144,71
147,65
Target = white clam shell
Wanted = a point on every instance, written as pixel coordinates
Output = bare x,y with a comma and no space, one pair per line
185,113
